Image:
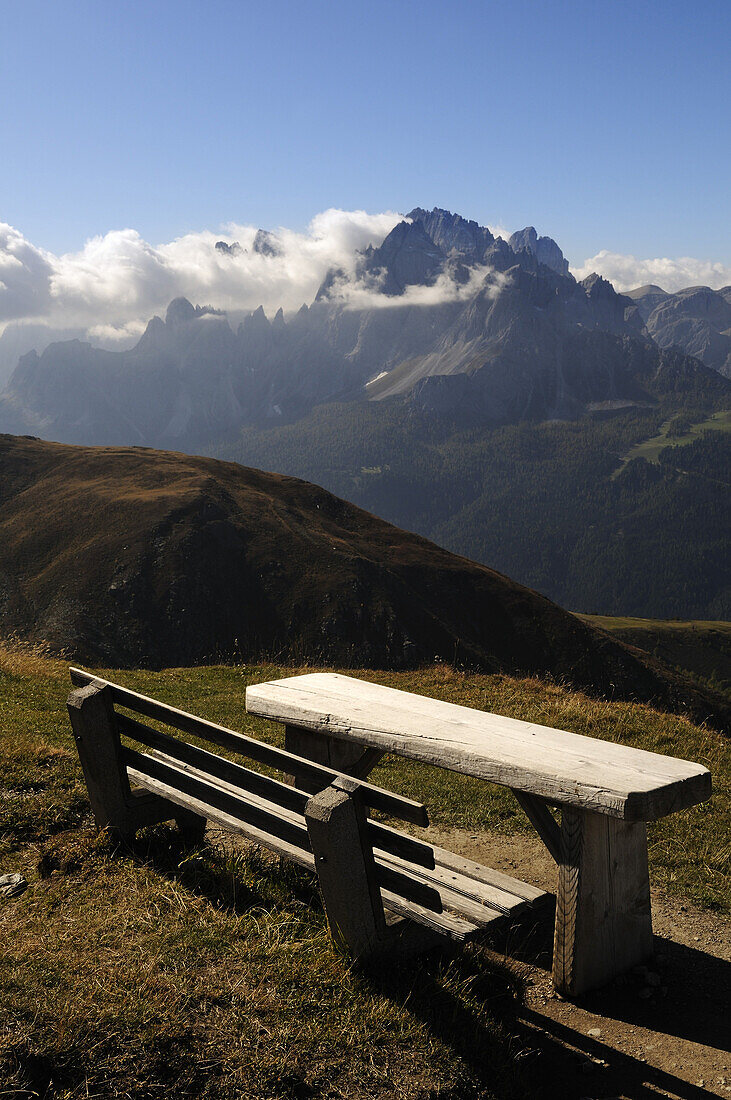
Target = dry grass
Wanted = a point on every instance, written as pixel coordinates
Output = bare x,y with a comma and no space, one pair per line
155,972
20,658
152,972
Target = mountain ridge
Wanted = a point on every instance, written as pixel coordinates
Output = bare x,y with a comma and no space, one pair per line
144,557
440,298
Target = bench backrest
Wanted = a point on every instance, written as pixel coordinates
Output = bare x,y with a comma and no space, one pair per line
559,766
265,809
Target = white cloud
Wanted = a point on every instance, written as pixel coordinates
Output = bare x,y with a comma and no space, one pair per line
501,231
368,294
25,272
118,281
627,272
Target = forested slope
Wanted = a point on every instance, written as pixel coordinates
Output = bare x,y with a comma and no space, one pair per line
554,505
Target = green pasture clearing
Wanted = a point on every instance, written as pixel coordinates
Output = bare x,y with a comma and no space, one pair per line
650,449
153,971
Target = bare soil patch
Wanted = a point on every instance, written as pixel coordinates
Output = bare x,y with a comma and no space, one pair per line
664,1031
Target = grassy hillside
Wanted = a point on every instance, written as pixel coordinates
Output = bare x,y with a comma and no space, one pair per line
154,972
133,557
678,431
698,647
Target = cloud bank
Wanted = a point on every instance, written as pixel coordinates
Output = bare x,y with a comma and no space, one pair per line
118,281
447,287
627,272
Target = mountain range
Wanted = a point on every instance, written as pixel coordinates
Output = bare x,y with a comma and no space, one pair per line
441,314
461,386
697,320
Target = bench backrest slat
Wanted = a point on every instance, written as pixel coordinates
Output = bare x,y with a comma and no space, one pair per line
374,797
407,887
224,800
271,790
281,794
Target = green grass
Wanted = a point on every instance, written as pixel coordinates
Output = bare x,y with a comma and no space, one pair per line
650,449
153,971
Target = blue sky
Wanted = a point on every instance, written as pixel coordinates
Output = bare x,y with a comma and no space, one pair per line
606,125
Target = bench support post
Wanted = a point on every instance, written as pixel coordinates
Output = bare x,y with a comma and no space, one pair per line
603,919
539,815
346,870
115,807
336,823
341,756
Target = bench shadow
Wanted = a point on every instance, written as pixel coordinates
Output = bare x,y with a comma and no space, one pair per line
689,996
230,877
691,1002
566,1055
559,1061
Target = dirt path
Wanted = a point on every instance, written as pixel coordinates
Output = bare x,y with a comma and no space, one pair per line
663,1032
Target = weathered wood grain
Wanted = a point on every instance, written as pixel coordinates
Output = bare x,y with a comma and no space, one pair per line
603,921
479,901
469,869
564,767
272,795
346,871
229,822
376,798
455,890
341,756
115,806
542,821
211,794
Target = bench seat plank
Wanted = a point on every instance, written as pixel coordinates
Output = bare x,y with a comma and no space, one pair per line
226,821
568,768
237,779
477,901
468,869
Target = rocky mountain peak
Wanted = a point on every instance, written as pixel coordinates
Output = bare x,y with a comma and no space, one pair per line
265,243
179,312
643,291
407,257
545,249
597,287
256,320
453,233
233,249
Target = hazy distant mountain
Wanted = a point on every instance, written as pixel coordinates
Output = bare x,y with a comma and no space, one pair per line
18,339
441,313
697,320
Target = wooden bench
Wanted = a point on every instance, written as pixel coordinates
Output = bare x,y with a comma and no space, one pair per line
605,793
382,889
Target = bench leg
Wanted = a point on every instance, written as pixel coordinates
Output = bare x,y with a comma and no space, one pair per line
346,870
336,823
342,756
115,807
603,919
